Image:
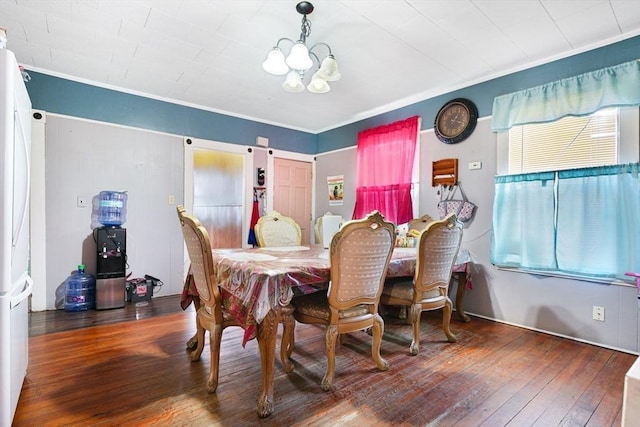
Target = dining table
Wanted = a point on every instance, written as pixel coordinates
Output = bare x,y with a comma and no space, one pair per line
257,284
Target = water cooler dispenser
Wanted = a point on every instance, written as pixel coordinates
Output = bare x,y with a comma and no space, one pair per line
111,245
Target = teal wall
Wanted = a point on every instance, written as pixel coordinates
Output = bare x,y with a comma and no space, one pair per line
57,95
482,94
66,97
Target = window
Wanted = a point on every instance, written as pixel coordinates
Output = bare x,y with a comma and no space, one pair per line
569,216
558,208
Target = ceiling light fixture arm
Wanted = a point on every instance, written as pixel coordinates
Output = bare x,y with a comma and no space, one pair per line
283,39
315,56
320,44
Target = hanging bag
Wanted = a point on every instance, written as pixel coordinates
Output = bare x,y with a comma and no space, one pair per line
463,208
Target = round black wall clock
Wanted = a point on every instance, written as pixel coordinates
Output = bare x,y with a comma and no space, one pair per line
455,121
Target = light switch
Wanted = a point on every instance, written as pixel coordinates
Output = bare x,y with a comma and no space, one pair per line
475,165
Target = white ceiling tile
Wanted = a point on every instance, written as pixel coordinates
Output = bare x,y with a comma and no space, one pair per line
13,18
92,69
123,51
539,37
168,7
135,12
151,60
61,8
389,15
84,15
445,13
599,19
452,51
179,33
627,13
507,13
205,57
203,15
32,54
561,9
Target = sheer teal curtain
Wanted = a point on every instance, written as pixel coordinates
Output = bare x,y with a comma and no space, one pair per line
523,221
583,222
580,95
599,220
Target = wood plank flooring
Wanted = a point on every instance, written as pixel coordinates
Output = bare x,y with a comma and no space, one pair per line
130,367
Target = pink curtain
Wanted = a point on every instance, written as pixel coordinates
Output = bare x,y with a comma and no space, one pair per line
385,163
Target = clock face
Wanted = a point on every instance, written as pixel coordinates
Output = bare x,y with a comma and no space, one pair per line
455,121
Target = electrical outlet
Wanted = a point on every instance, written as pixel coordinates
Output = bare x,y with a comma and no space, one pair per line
598,313
172,199
81,201
475,165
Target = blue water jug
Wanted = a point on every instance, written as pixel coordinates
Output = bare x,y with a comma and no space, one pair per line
112,208
80,291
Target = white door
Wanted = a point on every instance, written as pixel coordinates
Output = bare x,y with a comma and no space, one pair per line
218,189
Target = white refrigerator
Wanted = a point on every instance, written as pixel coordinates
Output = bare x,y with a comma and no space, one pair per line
15,283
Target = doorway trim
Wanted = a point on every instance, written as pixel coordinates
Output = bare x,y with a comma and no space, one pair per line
190,144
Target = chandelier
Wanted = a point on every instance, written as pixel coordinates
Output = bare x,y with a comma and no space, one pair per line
301,59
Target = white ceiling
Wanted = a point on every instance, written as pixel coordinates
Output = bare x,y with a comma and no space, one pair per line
208,54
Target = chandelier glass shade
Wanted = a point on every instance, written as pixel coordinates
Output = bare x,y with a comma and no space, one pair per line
301,59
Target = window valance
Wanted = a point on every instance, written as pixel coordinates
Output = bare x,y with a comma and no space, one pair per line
580,95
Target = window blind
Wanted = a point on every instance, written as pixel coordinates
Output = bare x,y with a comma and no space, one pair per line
569,143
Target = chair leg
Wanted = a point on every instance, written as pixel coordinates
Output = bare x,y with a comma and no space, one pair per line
378,330
193,341
195,354
215,337
382,310
402,313
331,336
288,337
414,317
446,321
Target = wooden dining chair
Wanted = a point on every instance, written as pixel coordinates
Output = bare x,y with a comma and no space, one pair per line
420,224
359,256
414,228
436,252
211,315
275,229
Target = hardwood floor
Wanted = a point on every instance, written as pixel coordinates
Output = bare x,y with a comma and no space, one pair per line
130,367
46,322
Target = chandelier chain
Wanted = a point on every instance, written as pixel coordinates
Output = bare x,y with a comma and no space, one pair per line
305,29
